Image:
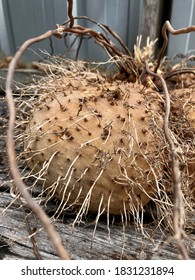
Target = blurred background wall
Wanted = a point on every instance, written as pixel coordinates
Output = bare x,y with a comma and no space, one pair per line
23,19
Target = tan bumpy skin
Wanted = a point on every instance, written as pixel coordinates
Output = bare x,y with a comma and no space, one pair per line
94,144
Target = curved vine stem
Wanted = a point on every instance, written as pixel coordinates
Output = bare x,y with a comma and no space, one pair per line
55,238
176,174
70,7
167,26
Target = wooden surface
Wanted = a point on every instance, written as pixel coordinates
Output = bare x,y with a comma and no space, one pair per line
151,15
82,242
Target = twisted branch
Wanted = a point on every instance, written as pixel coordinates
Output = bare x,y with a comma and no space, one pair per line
106,29
11,148
176,174
70,7
167,26
126,64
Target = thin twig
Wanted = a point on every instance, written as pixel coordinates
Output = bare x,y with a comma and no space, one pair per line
103,27
11,148
126,65
51,46
70,6
32,238
167,26
179,72
176,174
78,48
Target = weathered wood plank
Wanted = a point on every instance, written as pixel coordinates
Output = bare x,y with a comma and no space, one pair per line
150,20
80,242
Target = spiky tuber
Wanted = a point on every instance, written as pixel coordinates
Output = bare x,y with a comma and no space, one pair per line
94,143
98,145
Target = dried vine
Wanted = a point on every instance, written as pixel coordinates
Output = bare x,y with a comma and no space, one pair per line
167,26
70,7
176,174
11,148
